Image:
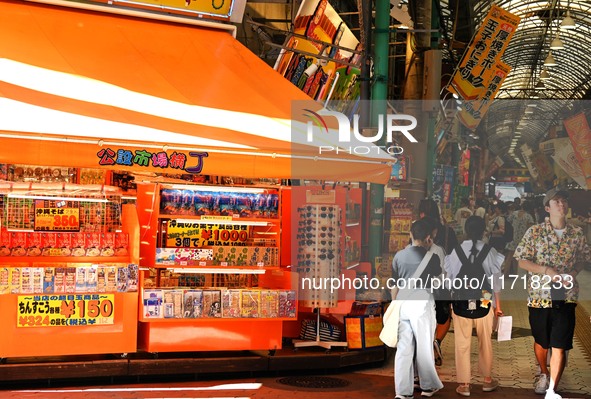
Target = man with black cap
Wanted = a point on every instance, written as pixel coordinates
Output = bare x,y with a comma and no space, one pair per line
553,252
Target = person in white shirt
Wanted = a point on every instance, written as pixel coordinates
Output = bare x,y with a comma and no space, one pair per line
462,214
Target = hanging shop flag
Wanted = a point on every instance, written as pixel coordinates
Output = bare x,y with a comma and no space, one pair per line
65,310
580,137
400,165
565,157
227,10
493,167
472,78
464,168
317,29
57,215
473,111
200,234
443,183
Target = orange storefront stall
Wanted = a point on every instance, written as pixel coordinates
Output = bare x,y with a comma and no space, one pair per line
83,88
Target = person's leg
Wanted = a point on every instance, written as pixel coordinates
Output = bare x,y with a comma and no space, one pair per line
557,364
423,325
403,370
561,338
485,350
541,355
463,344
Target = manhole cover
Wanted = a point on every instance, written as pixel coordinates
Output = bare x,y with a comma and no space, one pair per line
314,382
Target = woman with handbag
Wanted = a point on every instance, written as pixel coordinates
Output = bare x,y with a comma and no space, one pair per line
417,315
472,308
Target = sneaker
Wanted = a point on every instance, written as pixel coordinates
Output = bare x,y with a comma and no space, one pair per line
463,390
490,386
542,383
437,353
552,395
430,392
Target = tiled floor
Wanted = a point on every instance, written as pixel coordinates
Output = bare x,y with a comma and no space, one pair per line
514,363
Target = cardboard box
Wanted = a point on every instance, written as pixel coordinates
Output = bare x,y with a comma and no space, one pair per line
363,331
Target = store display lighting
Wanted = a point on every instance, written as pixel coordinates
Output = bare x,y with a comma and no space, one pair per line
568,22
556,44
550,61
544,75
51,198
222,221
218,270
218,188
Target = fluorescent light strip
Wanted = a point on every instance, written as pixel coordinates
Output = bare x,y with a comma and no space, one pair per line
218,188
47,197
222,221
220,270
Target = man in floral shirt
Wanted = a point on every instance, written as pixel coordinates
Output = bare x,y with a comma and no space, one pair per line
553,253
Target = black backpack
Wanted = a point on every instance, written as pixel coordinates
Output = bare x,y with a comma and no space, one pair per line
466,301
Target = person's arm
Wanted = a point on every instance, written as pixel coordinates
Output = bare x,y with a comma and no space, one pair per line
530,266
498,310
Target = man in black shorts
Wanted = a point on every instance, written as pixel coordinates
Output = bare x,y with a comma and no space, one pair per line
553,252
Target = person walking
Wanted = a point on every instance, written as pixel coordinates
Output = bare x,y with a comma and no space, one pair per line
521,220
553,253
462,215
468,313
417,316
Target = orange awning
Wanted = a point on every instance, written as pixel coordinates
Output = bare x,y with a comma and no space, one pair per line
88,89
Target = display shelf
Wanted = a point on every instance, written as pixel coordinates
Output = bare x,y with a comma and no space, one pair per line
241,228
63,259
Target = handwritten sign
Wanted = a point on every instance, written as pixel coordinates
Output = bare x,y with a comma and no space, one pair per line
57,215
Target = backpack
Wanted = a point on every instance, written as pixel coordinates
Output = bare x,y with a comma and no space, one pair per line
472,303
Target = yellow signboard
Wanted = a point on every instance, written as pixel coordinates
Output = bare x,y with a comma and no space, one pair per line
479,63
203,234
57,215
473,111
65,310
215,9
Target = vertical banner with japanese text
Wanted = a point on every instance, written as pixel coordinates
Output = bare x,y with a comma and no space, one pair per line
580,137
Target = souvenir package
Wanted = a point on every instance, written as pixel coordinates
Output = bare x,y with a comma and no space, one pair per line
92,278
59,280
15,280
193,304
122,278
33,246
48,280
37,279
212,303
4,280
26,282
64,244
121,244
111,278
173,304
250,306
101,279
18,242
269,303
107,244
287,303
153,299
4,242
78,244
132,277
81,273
231,303
49,244
92,244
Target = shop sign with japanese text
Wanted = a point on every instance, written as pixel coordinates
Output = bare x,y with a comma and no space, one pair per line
476,69
191,162
65,310
57,215
202,234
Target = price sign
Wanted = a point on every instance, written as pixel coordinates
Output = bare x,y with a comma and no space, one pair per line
65,310
57,215
201,234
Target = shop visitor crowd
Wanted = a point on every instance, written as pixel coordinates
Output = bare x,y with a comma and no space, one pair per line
491,240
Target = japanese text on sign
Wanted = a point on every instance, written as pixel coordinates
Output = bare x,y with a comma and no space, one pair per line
205,234
52,215
65,310
176,160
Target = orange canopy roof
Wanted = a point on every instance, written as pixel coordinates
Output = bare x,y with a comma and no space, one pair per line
89,89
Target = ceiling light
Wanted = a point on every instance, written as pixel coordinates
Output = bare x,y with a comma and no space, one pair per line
544,75
557,44
540,85
550,61
568,22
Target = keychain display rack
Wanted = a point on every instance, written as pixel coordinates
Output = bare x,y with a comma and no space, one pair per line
318,261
